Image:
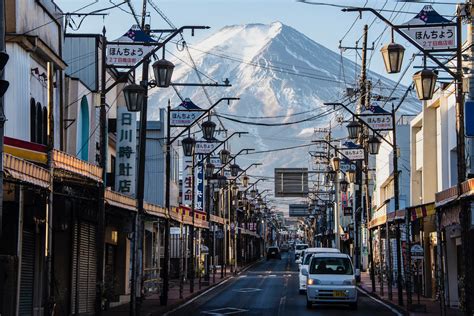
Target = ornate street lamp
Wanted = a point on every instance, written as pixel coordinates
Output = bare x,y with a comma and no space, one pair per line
374,145
209,170
221,181
335,163
163,70
208,129
214,180
224,155
134,95
331,174
353,128
188,146
393,57
245,180
425,82
235,190
343,184
253,193
351,174
234,170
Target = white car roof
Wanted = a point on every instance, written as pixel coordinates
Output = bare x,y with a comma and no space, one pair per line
331,255
321,249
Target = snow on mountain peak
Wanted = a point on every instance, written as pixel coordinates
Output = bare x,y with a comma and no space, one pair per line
277,72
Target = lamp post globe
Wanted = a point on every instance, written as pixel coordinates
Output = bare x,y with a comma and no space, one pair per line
209,170
335,163
163,70
134,95
343,184
393,57
353,128
351,174
188,146
235,190
208,129
331,174
374,145
234,170
425,83
253,193
221,180
245,181
224,155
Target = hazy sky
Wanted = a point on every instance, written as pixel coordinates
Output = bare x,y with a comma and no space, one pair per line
324,24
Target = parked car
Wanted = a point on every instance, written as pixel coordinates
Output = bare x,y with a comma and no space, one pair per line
298,249
273,252
331,279
284,247
305,258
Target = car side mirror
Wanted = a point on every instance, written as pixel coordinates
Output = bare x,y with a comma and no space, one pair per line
304,272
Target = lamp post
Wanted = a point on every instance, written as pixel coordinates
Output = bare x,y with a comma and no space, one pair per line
424,82
169,142
136,100
373,144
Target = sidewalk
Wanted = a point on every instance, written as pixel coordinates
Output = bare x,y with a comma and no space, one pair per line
151,304
432,306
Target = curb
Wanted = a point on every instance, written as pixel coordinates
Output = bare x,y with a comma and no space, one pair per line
396,307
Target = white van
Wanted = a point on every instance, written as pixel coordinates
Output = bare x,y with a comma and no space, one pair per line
331,279
307,254
298,249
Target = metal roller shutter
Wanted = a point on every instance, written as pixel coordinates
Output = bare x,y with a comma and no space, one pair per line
27,273
84,268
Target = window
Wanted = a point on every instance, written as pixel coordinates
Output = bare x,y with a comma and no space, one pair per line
331,265
38,123
33,120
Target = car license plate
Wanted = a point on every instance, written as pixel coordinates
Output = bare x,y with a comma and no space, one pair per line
338,294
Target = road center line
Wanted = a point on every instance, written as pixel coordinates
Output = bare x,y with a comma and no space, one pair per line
380,302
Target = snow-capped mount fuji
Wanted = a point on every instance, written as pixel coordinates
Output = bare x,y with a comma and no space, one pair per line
277,72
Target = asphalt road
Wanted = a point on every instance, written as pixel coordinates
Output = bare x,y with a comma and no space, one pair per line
269,288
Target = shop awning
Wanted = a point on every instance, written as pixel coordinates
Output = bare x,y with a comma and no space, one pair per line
155,210
75,166
217,219
120,200
25,171
421,211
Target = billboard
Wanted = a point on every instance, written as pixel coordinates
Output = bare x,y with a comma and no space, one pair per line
298,210
291,182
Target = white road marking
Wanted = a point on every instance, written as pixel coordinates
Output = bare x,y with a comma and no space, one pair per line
380,302
225,311
195,298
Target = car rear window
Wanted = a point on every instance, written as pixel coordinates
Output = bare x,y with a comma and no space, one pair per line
272,248
331,265
301,247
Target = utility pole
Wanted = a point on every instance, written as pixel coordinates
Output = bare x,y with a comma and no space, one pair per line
2,109
102,164
137,256
364,101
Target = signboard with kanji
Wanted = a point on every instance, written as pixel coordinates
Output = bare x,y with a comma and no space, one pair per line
352,153
377,118
185,114
203,147
431,37
126,151
199,179
125,55
187,181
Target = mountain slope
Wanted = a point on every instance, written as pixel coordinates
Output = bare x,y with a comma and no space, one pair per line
277,72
